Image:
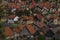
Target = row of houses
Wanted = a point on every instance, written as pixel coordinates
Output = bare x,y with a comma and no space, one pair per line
30,25
22,30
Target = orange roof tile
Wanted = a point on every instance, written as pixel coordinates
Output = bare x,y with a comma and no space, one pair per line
8,31
16,30
25,17
17,7
39,16
11,16
21,27
31,18
47,5
55,17
30,29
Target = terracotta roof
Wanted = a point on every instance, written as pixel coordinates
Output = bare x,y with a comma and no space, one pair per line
33,3
11,16
47,5
30,29
25,17
8,31
31,18
21,27
12,5
55,17
39,16
17,7
16,30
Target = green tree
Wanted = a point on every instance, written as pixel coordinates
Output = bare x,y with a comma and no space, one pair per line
41,37
1,15
1,31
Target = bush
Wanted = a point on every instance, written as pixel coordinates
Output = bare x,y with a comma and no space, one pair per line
41,37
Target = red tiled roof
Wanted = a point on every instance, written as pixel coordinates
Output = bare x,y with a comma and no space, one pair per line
25,17
31,18
54,17
47,4
17,7
8,31
11,16
39,16
30,29
12,5
33,3
21,27
16,30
